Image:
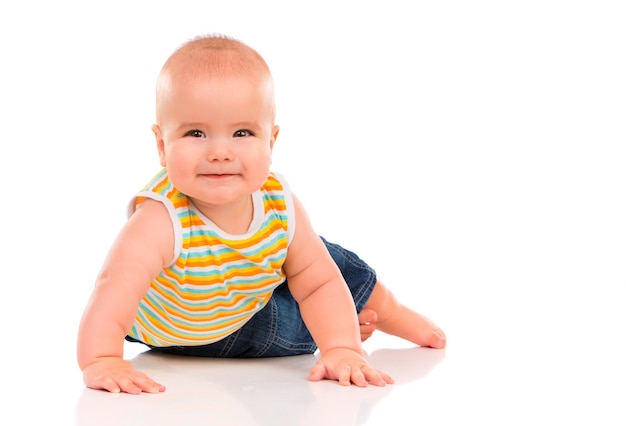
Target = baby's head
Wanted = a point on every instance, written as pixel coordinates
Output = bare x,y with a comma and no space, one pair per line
215,120
209,57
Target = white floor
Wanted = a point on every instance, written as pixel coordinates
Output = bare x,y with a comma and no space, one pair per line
541,364
258,392
483,377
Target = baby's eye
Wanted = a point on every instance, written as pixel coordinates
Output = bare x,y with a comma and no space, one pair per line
242,133
195,133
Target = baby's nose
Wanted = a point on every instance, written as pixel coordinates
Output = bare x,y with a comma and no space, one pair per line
219,149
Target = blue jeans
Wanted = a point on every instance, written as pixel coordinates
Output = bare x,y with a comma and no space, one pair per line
278,329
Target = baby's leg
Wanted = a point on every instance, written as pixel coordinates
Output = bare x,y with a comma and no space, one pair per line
383,312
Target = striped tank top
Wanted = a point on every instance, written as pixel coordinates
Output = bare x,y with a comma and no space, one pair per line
216,281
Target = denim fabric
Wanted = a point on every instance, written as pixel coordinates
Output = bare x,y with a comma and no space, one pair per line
278,329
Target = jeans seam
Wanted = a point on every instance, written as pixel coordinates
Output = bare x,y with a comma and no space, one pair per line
272,334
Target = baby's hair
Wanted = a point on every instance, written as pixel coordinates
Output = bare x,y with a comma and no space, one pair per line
212,55
217,54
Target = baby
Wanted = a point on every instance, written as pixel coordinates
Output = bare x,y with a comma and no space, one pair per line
218,257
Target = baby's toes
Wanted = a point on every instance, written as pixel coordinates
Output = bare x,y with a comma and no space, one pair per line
437,339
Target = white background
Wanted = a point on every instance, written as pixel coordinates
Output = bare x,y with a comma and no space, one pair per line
472,152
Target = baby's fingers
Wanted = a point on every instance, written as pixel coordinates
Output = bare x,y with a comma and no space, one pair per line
344,374
376,377
105,383
133,385
140,383
318,372
128,386
354,375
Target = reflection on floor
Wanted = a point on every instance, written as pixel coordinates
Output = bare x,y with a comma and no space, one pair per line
271,391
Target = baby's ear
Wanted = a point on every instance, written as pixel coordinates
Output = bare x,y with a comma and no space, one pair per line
275,131
159,142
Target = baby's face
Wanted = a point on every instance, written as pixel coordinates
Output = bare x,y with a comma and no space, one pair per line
215,136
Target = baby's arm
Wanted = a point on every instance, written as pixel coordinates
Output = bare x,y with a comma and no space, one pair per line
144,245
327,308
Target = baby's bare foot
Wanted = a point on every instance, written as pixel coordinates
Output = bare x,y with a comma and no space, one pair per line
367,320
414,327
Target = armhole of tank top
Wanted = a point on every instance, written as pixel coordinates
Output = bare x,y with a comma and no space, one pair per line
291,213
178,229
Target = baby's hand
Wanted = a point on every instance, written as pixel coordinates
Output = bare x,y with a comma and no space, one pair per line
347,366
116,375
